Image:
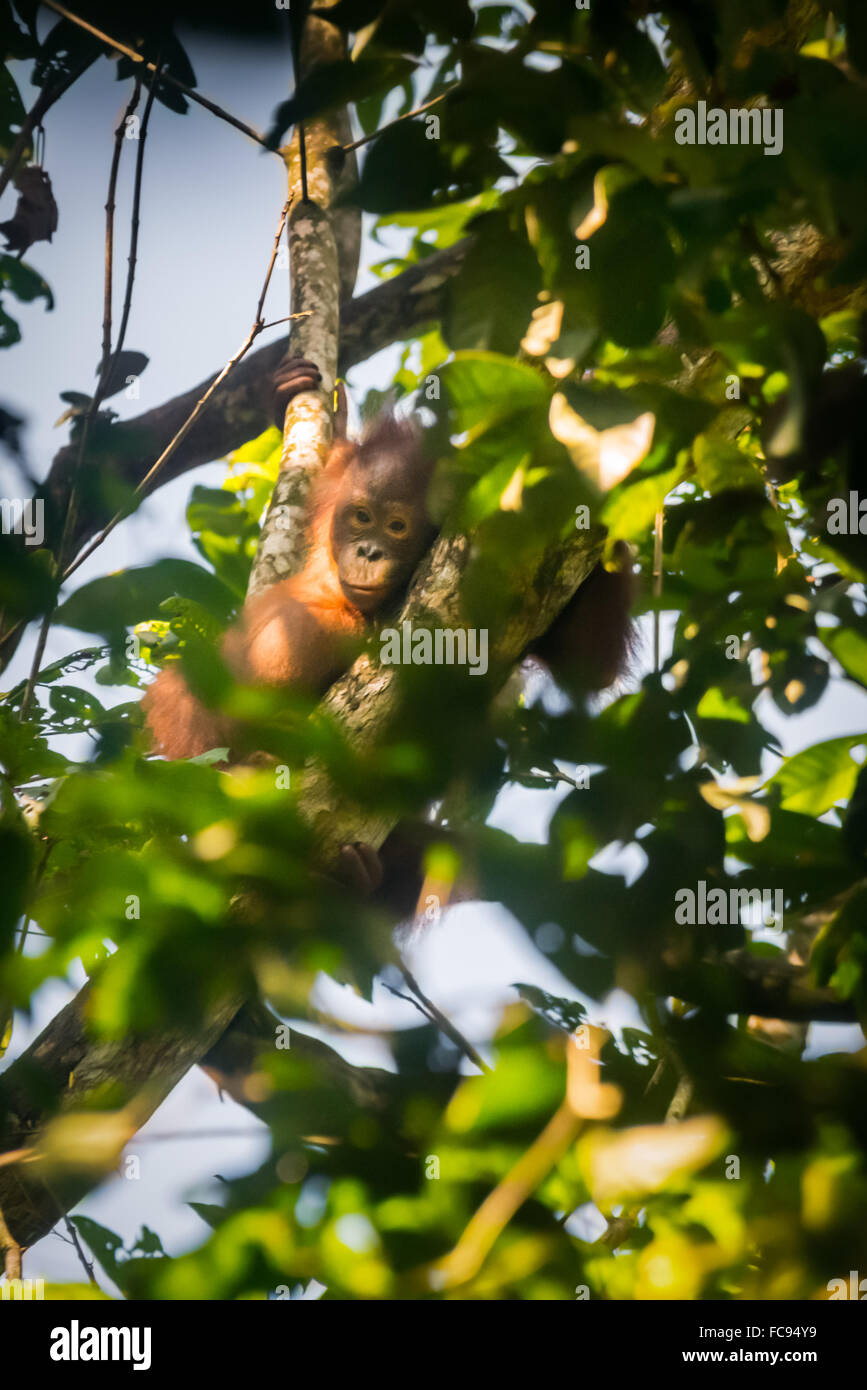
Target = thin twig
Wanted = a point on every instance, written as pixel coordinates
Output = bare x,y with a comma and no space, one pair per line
680,1101
258,327
73,1236
46,99
657,1076
407,116
444,1024
684,1089
108,279
166,77
657,581
72,506
34,669
275,323
302,146
132,258
187,1134
25,929
274,249
72,1233
110,205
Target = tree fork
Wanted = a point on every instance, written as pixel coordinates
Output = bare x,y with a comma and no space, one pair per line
241,408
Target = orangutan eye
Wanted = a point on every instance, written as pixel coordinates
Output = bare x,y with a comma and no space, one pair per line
362,516
397,527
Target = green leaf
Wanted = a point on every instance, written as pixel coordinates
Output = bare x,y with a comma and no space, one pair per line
566,1014
720,465
819,778
118,601
211,1214
850,649
631,509
490,302
423,166
484,388
24,282
12,111
225,532
123,365
714,705
333,85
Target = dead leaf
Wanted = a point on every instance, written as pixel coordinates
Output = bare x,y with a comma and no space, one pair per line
604,456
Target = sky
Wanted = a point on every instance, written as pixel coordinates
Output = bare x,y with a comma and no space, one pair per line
211,204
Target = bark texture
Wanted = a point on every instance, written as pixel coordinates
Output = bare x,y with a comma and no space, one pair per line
65,1070
317,277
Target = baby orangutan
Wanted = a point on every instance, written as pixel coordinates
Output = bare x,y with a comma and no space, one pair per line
370,528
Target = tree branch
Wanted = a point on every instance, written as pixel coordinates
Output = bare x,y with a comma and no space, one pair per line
241,408
69,1066
765,985
59,1071
151,68
156,469
314,267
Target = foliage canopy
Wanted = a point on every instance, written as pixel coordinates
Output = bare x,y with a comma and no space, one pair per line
723,295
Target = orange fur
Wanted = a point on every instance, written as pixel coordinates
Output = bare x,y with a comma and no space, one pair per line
288,635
